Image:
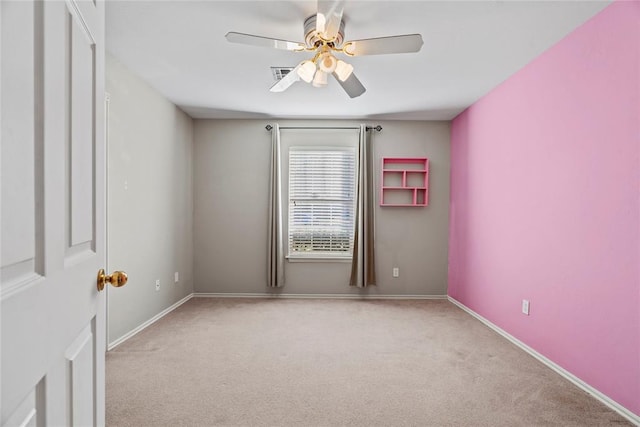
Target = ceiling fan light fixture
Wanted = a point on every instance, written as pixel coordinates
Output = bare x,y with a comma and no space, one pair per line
320,79
324,35
327,63
343,70
306,71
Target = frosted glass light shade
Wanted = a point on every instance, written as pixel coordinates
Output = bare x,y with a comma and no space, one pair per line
320,80
306,71
343,70
327,63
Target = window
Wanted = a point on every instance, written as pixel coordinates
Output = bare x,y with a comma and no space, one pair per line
321,201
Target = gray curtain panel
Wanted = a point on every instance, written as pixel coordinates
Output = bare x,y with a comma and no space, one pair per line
275,261
363,266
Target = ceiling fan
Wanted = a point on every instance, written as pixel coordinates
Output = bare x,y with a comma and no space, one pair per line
324,35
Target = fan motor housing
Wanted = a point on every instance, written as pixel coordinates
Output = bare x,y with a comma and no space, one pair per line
311,37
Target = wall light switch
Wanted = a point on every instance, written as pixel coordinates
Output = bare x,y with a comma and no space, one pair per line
158,285
525,307
176,277
396,272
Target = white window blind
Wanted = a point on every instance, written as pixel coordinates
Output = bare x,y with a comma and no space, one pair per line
321,201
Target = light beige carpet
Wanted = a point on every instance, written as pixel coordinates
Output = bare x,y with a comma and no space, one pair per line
260,362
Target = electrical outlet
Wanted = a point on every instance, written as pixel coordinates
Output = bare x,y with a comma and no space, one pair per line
176,277
396,272
525,306
158,285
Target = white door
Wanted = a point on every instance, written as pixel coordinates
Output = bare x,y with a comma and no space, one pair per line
53,212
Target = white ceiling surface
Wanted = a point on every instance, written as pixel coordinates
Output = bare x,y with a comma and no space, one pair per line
469,48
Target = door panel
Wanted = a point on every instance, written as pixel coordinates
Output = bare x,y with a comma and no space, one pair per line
53,220
80,173
80,370
21,251
30,413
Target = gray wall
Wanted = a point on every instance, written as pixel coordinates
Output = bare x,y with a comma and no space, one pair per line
231,169
150,200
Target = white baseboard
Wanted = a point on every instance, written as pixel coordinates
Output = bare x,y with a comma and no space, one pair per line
149,322
626,413
316,296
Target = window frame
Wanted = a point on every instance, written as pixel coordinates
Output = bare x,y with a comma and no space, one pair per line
318,256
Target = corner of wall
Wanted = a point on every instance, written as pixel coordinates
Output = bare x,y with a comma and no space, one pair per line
150,172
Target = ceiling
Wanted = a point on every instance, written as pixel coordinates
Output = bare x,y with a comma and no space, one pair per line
470,47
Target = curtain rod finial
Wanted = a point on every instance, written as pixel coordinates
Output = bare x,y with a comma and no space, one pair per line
268,127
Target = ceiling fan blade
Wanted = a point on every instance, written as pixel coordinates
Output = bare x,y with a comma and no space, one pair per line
284,83
329,18
352,85
263,41
383,45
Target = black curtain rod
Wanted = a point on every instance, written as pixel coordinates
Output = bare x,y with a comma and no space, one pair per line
377,128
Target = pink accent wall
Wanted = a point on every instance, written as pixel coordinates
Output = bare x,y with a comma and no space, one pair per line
545,204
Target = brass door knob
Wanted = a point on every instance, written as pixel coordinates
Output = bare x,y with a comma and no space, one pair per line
117,279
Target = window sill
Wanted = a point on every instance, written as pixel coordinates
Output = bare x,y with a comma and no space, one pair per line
317,258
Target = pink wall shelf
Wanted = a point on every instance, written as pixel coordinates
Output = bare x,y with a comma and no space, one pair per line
404,181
